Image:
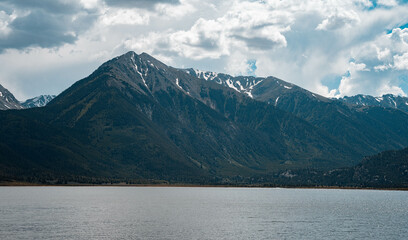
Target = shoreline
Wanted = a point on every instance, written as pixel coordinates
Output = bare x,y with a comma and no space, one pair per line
27,184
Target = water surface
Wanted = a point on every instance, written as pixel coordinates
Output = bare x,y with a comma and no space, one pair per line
201,213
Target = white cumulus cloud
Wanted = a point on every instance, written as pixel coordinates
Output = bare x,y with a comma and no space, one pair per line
126,16
339,20
401,61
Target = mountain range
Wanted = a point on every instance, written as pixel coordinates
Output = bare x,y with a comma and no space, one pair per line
370,128
8,101
387,101
137,118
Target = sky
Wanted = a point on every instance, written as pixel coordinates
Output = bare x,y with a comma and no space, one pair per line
331,47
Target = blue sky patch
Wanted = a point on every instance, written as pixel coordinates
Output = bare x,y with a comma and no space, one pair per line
403,82
332,81
402,27
251,67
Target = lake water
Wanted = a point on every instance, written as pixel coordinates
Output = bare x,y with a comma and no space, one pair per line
201,213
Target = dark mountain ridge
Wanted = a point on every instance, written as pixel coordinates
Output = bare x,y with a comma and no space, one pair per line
388,169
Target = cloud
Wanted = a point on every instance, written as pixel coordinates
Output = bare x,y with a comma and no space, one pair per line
125,16
141,12
45,24
51,6
387,3
347,86
401,61
240,65
382,68
399,36
339,20
386,88
138,3
387,51
383,54
5,20
361,44
358,67
248,25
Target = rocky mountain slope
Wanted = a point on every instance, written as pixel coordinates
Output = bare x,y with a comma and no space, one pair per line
7,100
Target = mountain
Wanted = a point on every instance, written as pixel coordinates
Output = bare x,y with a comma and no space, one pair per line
389,168
7,100
387,101
209,125
368,129
383,170
39,101
136,118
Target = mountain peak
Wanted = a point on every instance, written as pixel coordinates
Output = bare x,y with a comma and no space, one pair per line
143,60
152,61
132,73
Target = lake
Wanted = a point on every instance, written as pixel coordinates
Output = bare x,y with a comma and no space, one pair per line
201,213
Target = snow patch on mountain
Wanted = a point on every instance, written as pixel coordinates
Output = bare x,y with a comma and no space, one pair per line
178,84
141,75
276,101
205,74
240,84
230,84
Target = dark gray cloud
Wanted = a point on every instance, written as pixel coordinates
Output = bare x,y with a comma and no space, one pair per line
45,23
53,6
259,42
138,3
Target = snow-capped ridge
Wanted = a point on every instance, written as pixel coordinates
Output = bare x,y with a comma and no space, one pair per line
39,101
386,100
242,84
